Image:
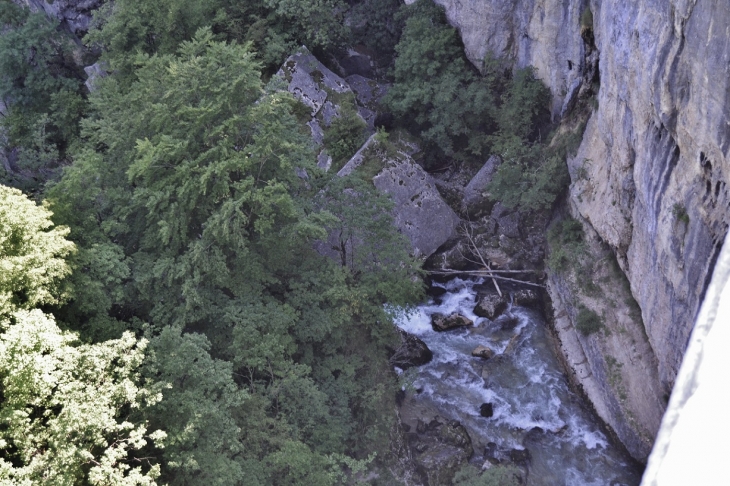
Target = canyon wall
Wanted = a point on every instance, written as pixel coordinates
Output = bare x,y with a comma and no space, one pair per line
648,181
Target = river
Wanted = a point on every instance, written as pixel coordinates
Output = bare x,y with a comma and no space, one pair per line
533,405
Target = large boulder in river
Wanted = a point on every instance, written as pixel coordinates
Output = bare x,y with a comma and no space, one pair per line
527,298
412,352
482,352
420,212
440,322
491,306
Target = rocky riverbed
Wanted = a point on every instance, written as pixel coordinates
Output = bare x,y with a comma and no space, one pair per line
514,407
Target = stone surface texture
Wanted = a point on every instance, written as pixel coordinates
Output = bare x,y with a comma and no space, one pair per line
412,352
420,212
650,175
76,14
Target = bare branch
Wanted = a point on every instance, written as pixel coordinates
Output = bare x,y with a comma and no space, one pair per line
467,232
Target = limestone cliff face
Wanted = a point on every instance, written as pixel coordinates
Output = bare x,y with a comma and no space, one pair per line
650,175
544,34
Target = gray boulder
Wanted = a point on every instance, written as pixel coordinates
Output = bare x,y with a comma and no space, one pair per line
309,80
76,14
412,352
527,298
94,73
509,225
491,306
477,201
440,322
368,94
420,212
482,352
441,451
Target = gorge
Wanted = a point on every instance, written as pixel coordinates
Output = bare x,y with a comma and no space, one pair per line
638,97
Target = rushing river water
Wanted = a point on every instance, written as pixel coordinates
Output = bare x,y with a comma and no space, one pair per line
533,407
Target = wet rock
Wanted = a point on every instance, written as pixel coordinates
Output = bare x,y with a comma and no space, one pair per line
476,201
482,352
440,450
486,410
456,434
520,457
434,291
527,298
512,345
412,352
507,322
491,306
440,322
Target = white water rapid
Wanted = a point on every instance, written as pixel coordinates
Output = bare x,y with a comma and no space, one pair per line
534,408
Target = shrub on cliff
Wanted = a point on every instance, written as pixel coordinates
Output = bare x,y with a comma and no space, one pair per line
437,94
587,322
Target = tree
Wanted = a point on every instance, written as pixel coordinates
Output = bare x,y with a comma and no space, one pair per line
42,87
446,102
190,215
65,408
32,254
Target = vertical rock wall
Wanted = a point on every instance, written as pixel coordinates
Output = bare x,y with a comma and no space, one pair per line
650,176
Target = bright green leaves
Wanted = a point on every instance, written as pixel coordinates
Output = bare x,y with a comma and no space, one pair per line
62,401
65,408
32,254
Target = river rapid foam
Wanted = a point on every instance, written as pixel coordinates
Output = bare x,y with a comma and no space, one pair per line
533,406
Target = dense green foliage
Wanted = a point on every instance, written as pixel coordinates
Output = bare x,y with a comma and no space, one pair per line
218,318
587,321
65,408
458,112
463,115
32,255
42,89
188,215
566,244
345,135
436,92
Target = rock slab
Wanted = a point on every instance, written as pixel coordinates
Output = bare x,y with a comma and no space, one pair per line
420,212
